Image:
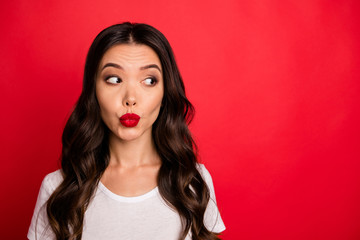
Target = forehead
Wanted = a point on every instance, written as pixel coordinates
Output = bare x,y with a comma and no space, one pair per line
130,55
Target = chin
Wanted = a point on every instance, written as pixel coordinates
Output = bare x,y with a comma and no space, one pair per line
128,134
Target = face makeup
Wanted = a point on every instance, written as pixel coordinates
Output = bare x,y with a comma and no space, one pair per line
129,120
129,90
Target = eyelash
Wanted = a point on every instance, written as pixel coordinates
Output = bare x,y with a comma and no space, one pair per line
154,79
112,76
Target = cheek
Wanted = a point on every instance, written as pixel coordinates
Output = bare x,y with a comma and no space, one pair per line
155,105
107,105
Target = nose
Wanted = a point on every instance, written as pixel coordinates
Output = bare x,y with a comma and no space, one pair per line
130,102
129,99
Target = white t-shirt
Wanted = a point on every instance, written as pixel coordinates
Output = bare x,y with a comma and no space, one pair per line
110,216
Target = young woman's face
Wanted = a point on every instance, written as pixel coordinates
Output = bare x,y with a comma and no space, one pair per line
129,85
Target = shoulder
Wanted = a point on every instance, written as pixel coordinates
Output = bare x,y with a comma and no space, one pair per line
212,219
52,181
39,221
204,173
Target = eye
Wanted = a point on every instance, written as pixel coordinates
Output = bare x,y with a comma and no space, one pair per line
150,81
113,79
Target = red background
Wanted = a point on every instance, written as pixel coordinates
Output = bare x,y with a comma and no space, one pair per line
275,85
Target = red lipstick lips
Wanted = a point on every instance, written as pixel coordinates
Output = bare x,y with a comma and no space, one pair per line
129,119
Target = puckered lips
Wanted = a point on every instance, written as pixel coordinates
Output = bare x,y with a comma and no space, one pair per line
129,119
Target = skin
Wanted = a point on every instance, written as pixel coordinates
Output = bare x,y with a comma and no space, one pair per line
125,84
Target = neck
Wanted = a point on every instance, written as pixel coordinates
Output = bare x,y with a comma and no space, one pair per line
135,153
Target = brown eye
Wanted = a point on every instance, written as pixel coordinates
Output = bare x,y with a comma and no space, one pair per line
113,79
150,81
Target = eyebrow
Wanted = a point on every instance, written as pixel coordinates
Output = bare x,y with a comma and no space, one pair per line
151,66
141,68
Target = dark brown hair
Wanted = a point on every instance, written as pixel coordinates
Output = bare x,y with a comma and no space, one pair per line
85,150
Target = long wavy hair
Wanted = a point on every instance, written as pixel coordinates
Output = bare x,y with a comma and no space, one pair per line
85,143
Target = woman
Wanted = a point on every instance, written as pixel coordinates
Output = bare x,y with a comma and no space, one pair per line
129,170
